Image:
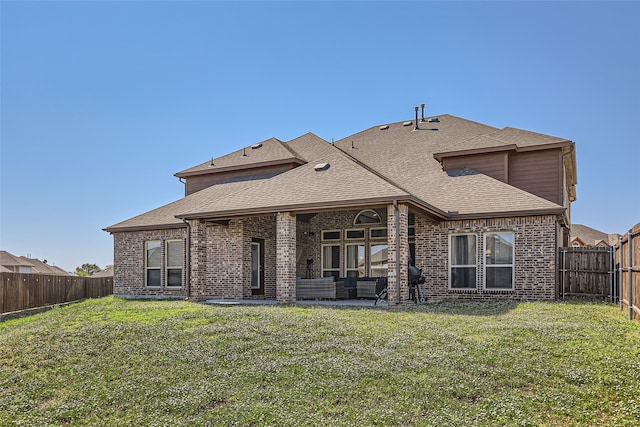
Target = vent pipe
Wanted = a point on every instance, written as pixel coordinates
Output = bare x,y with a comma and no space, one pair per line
422,120
416,128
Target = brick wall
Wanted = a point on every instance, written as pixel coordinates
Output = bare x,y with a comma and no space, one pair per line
129,264
534,258
286,257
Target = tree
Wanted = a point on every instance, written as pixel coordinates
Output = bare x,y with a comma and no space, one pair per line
87,270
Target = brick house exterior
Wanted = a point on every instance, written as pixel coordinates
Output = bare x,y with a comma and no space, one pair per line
480,210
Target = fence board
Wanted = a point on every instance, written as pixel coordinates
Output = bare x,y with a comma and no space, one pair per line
20,291
629,272
585,271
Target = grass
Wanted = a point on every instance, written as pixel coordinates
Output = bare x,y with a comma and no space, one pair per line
116,362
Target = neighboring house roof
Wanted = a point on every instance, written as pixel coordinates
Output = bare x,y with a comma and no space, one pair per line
44,268
377,165
107,272
588,236
4,269
9,260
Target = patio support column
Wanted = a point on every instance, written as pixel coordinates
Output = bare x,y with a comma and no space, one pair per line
398,253
198,260
286,257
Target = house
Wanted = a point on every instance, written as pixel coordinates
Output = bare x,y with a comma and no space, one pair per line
107,272
14,264
583,236
21,264
480,210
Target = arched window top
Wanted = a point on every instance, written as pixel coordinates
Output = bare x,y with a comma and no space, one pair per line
367,216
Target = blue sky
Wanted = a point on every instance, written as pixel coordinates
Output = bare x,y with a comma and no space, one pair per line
102,102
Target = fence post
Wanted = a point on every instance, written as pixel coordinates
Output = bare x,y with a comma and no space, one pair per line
620,269
629,278
564,270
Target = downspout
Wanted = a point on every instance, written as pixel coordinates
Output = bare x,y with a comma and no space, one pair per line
397,214
188,258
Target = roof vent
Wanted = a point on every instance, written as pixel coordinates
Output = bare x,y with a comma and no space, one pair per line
409,123
321,167
384,127
433,120
244,152
256,146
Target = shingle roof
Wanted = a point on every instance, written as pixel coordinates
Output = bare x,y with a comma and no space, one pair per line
343,182
405,156
591,236
377,165
11,260
270,150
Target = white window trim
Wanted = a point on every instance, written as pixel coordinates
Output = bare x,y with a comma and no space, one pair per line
463,265
146,266
168,267
512,265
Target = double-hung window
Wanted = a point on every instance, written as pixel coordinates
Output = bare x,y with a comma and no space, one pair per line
153,263
174,262
498,266
462,261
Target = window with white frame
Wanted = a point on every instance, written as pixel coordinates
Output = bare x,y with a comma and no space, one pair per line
355,260
462,261
331,261
498,265
174,262
153,263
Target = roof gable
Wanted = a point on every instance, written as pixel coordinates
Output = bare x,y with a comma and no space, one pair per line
269,152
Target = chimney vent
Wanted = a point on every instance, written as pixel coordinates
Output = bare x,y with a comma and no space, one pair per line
422,120
416,128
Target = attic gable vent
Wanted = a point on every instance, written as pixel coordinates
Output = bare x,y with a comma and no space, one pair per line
384,127
409,123
256,146
321,166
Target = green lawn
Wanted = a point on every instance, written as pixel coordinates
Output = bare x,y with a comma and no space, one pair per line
116,362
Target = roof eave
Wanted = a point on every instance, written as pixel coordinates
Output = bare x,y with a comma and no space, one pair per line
115,229
499,148
502,214
315,207
214,169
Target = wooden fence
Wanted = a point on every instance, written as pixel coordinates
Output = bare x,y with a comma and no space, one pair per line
587,271
20,291
627,253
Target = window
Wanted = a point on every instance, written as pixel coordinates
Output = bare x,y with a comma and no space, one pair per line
498,266
331,261
367,216
174,262
378,233
354,234
153,261
331,235
355,262
462,261
378,260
